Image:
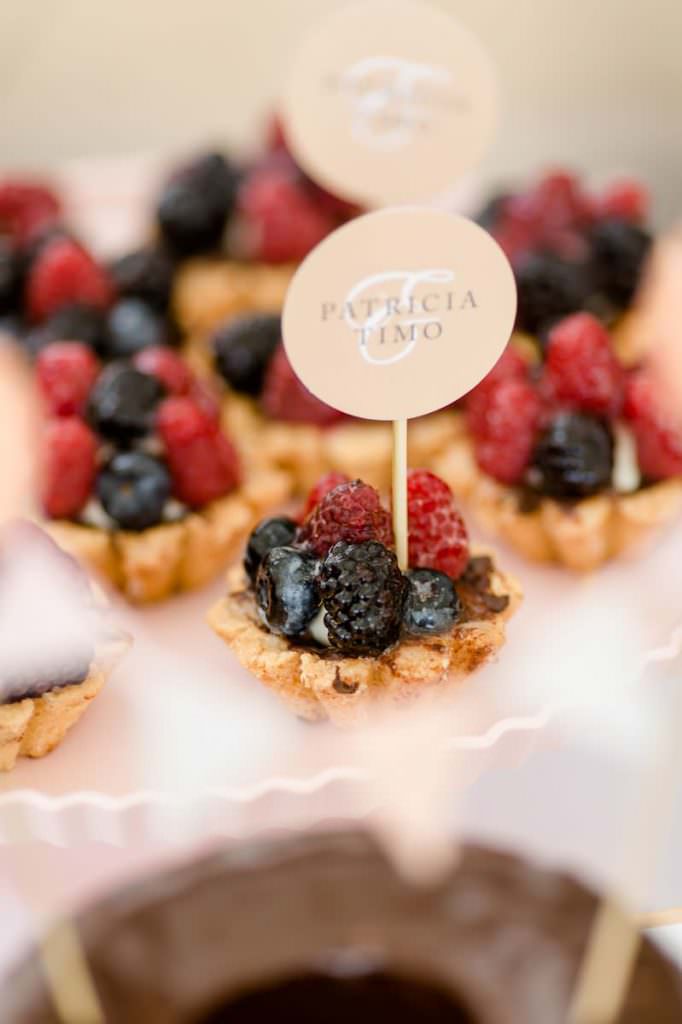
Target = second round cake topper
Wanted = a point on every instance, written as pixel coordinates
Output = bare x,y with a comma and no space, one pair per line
389,101
399,313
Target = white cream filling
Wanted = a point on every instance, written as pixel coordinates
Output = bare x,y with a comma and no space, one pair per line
626,476
94,515
318,630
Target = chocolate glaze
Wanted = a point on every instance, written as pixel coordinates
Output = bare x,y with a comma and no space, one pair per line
499,941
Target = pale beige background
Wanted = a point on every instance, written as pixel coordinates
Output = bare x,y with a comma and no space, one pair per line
597,83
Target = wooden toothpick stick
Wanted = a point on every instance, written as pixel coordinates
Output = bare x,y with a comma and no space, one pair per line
399,503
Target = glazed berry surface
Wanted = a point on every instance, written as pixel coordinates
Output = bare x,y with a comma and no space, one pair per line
243,349
432,605
123,403
573,457
287,590
351,512
270,533
133,489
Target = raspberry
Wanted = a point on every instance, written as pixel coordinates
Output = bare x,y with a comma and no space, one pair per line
438,538
504,430
66,372
353,513
202,460
283,219
510,365
363,592
163,363
626,199
286,398
581,369
70,465
62,274
550,216
26,209
657,433
321,489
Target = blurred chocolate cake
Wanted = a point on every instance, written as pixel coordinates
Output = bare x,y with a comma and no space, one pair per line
323,929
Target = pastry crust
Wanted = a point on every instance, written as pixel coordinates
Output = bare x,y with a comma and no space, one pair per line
581,535
155,563
347,690
35,726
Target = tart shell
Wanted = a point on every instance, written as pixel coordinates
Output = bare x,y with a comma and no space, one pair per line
35,726
318,686
155,563
582,535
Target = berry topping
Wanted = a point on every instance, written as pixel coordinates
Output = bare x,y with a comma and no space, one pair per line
66,372
363,592
145,274
287,591
581,367
64,273
658,433
437,535
132,325
123,403
71,323
167,366
504,429
202,460
271,533
286,398
243,348
282,218
548,288
195,205
432,605
626,200
133,489
321,489
353,513
489,215
573,457
69,467
10,276
26,209
510,365
619,250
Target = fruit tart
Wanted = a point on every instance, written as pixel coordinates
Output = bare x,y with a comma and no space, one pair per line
321,613
140,481
58,649
572,459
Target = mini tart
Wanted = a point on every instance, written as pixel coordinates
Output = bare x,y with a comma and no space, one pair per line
162,560
320,685
36,725
580,535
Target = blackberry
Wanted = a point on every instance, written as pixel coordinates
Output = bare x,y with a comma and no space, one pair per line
271,533
145,274
549,288
75,322
619,250
243,349
573,457
123,402
432,605
287,590
10,277
195,205
133,489
133,325
363,591
489,215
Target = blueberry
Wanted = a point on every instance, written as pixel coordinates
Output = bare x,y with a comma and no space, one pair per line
619,251
287,591
132,325
145,274
271,533
573,457
10,276
195,205
243,349
549,288
432,605
133,489
123,402
75,322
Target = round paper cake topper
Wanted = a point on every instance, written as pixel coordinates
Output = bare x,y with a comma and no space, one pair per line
399,313
389,101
